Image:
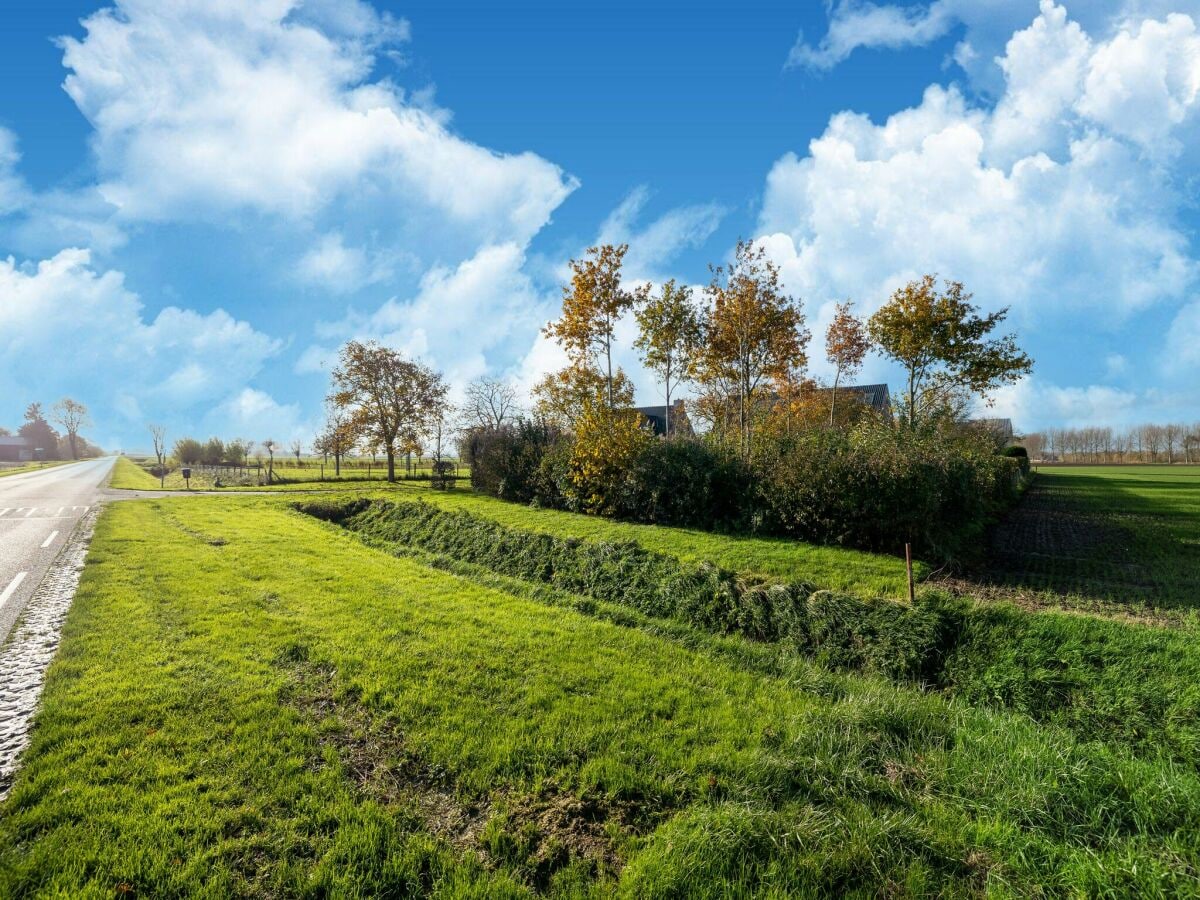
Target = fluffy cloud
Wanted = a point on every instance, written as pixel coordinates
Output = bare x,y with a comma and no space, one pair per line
467,319
1030,203
854,24
205,109
67,328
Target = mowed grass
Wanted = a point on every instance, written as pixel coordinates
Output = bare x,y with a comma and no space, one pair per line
1127,535
248,702
309,474
832,568
33,467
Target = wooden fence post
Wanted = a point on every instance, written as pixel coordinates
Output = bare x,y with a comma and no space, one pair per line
912,591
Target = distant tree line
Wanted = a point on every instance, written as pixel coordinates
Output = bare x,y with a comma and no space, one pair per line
38,429
1150,443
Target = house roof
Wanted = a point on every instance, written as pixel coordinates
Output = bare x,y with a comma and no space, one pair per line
875,396
6,441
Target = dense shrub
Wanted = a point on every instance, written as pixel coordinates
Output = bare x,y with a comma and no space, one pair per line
879,488
507,462
1103,680
688,483
1021,455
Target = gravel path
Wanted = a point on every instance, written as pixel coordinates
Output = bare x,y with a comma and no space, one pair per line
26,655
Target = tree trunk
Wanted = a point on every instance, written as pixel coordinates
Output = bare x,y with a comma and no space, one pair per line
337,464
833,396
391,455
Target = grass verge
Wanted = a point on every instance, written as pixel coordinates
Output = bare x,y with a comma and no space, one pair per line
249,703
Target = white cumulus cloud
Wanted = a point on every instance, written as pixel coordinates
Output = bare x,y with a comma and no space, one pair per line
66,328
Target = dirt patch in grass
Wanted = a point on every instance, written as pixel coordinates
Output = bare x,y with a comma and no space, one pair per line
530,835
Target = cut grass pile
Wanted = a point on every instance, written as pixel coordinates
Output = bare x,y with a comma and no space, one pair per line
1104,680
251,702
832,568
1128,535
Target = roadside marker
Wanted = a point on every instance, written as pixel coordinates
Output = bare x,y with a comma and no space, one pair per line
50,540
12,587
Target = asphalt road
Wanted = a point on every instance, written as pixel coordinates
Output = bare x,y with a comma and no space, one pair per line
38,512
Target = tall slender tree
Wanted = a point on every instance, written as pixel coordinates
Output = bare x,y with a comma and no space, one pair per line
670,329
158,434
593,303
754,335
846,346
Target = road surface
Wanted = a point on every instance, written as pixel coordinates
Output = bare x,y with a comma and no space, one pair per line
38,512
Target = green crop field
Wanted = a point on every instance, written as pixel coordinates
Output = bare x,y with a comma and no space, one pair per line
251,702
1105,536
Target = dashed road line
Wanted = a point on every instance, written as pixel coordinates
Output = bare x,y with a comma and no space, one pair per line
32,510
12,587
50,540
5,511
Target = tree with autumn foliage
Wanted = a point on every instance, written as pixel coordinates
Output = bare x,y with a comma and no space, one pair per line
559,398
390,399
670,331
846,346
754,338
593,303
944,346
607,443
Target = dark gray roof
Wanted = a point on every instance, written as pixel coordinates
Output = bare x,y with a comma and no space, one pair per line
875,396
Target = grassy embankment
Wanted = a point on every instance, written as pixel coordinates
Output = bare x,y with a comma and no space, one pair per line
250,702
834,568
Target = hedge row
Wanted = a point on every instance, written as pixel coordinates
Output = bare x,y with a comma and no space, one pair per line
1103,680
872,487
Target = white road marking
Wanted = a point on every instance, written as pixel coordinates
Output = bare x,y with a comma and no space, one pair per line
5,511
12,587
50,540
60,511
32,510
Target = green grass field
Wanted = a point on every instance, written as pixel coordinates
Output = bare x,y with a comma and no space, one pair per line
835,568
249,702
1111,535
32,467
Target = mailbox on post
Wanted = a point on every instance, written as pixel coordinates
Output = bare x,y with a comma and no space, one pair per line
187,477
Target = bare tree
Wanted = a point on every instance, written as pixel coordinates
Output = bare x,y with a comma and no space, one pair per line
158,433
490,402
297,450
72,416
270,445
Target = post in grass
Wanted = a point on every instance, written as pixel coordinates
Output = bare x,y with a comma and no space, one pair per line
912,592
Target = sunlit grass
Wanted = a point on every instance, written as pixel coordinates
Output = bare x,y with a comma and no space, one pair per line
187,745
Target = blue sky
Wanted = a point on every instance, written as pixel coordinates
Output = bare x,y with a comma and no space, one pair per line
201,199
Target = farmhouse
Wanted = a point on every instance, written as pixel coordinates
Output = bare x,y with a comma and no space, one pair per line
655,418
874,396
15,449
